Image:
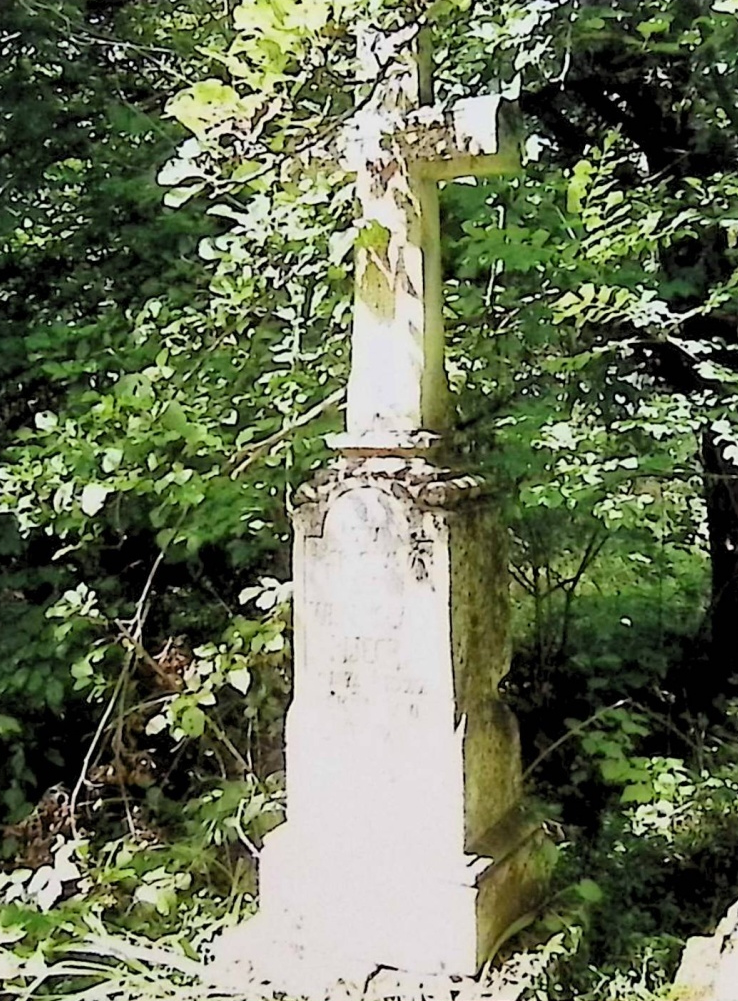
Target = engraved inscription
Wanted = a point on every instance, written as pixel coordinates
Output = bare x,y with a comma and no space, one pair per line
357,613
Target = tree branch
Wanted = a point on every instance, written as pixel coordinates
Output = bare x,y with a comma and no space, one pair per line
247,456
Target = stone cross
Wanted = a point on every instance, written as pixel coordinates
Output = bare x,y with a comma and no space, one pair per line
400,144
405,846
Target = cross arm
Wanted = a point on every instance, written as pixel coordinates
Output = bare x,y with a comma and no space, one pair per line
471,137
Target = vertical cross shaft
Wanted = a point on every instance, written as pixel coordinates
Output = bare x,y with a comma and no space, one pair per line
398,381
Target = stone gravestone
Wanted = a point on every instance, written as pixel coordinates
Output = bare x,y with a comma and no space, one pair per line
405,845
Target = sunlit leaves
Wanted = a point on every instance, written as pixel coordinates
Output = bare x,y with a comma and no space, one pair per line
204,104
272,35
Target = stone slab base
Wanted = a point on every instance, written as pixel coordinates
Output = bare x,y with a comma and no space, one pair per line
315,951
709,967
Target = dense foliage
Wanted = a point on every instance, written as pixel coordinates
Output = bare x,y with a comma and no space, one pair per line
176,288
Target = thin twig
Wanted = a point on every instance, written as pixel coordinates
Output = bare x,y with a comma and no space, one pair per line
666,722
571,733
139,615
242,835
137,621
82,35
521,579
247,456
139,649
156,956
227,743
591,553
94,743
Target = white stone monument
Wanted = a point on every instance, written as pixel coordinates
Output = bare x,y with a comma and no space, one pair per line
404,845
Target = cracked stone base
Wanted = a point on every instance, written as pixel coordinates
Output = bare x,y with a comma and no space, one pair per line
378,984
324,925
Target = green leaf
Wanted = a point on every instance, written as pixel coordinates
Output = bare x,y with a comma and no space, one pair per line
112,458
204,104
192,722
160,897
54,693
173,418
638,793
46,421
615,770
590,891
275,644
176,197
654,26
372,235
240,678
93,498
579,185
9,726
156,724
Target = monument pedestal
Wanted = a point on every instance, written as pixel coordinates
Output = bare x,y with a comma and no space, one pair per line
404,844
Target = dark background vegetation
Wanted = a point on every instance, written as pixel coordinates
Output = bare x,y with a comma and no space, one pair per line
170,306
